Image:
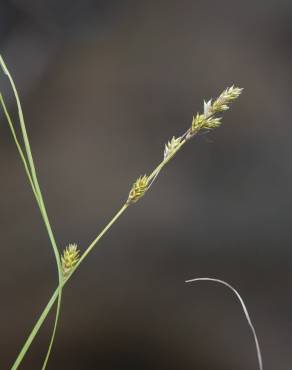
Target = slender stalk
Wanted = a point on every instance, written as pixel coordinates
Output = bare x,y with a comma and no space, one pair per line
97,239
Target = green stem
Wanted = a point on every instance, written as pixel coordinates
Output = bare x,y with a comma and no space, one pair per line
97,239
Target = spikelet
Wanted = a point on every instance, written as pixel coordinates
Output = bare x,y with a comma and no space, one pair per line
70,258
139,188
198,122
171,146
225,98
212,122
207,120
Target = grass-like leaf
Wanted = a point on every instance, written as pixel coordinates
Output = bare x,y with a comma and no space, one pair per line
33,180
245,311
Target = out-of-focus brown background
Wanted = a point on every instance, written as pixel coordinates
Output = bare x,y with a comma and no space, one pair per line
104,85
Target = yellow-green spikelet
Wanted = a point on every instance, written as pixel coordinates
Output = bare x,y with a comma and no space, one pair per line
70,258
139,188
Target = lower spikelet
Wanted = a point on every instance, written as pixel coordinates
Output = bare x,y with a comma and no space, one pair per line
70,258
139,188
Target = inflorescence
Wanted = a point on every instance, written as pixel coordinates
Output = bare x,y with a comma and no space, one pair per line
202,121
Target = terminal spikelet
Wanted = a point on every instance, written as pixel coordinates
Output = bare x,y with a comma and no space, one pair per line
208,120
225,98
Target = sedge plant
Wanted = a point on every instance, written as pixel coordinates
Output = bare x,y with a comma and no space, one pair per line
69,261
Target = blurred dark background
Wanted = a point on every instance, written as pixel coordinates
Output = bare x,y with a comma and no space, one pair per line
104,84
